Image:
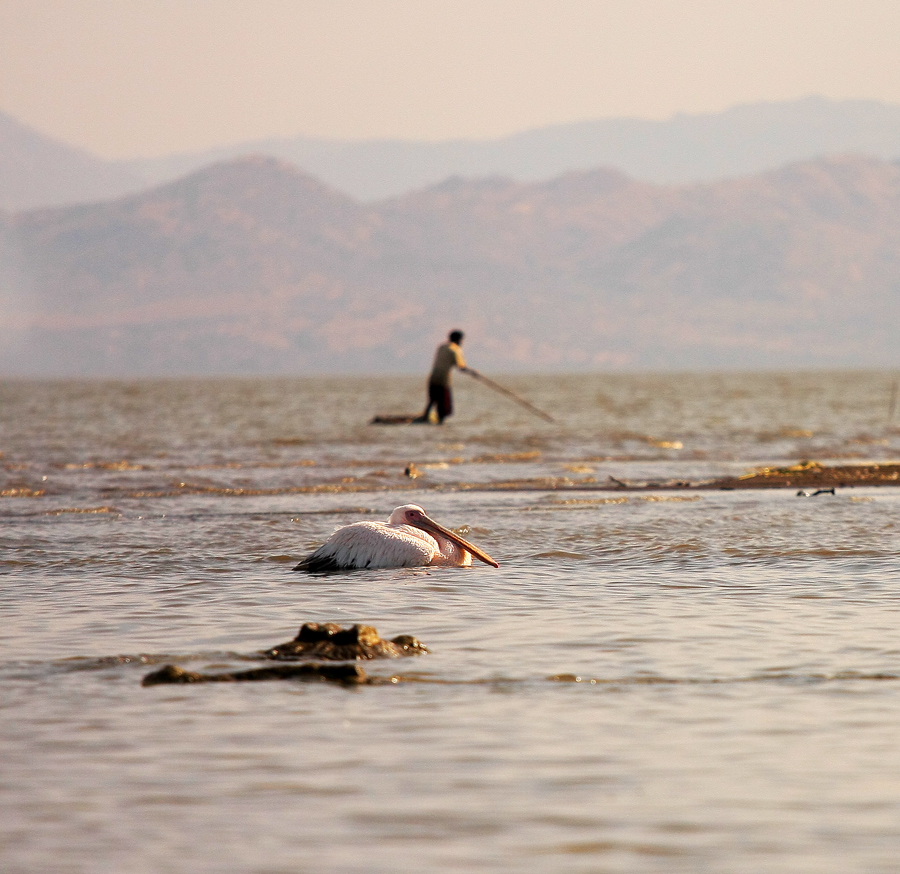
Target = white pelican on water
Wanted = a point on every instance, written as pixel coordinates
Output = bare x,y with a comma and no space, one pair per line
408,539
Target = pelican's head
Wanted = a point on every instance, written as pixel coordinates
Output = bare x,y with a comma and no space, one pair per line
413,514
408,514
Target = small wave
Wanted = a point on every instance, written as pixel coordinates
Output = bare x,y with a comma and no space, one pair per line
583,502
106,465
505,458
537,484
61,510
596,848
762,677
253,465
674,499
558,553
39,670
347,485
771,552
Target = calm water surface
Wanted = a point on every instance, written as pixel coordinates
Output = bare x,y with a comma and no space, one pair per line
660,681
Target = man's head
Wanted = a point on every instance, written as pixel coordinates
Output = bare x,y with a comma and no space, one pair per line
456,337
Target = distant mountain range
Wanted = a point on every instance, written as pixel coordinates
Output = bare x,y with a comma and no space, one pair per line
253,266
36,171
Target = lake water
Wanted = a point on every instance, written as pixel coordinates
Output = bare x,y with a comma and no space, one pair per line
658,681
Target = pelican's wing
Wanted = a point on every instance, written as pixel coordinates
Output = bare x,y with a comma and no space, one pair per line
368,545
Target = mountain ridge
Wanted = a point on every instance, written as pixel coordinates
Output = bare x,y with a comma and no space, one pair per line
684,149
253,266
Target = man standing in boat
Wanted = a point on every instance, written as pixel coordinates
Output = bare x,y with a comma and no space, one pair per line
448,356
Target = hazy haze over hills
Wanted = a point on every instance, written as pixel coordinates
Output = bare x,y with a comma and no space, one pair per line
253,266
36,171
683,149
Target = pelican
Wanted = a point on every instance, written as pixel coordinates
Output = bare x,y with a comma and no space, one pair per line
408,539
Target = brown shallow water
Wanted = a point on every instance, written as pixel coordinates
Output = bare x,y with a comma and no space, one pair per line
665,680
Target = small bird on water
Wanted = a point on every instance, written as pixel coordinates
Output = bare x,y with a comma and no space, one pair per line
408,539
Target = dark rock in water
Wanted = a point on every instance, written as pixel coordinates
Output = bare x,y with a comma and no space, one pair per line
330,641
315,641
349,674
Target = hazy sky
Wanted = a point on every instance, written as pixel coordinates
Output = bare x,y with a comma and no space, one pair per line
128,78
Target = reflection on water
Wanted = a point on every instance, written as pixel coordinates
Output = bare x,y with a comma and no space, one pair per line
658,681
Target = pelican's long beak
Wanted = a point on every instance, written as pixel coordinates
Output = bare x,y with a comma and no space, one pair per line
428,524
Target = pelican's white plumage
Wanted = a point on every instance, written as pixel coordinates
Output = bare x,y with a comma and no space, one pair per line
408,539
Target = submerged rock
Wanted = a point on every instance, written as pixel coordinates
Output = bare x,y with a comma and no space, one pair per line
348,674
329,641
315,641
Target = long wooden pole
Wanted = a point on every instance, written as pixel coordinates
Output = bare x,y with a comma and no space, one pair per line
509,394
